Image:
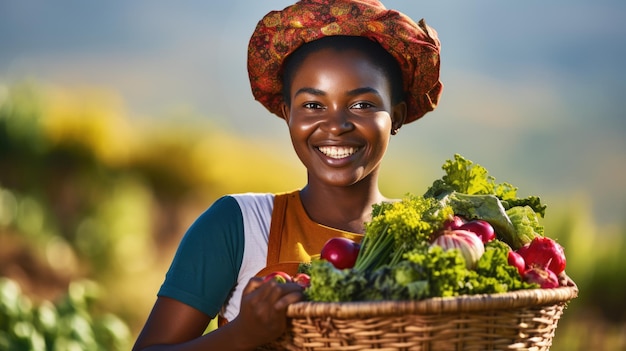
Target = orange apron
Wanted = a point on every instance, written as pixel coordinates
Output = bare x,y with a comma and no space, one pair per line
294,237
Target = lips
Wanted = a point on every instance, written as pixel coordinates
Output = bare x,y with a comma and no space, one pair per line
338,152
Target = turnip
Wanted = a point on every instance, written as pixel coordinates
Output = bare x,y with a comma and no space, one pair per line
468,243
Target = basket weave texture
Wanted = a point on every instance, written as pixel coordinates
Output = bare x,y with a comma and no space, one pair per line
518,320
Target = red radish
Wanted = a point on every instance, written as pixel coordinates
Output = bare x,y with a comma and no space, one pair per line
468,243
546,253
481,228
544,277
303,279
523,250
341,252
516,260
278,276
453,223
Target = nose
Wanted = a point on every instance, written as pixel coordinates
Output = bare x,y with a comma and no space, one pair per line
337,121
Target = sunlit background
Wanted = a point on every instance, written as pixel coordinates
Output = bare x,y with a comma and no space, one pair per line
157,93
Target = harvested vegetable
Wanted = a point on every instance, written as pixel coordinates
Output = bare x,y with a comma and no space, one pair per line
279,277
516,260
483,229
302,279
467,243
544,277
545,253
466,235
341,252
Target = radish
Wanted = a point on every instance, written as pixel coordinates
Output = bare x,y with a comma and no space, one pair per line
303,279
545,253
341,252
516,260
522,250
481,228
453,223
542,276
278,276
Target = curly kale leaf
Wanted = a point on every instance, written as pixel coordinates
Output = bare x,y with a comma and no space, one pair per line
464,176
446,271
402,281
495,275
329,284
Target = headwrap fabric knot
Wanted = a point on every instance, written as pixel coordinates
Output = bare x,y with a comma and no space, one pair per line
415,46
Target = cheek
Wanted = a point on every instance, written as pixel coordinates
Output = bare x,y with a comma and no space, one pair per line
381,128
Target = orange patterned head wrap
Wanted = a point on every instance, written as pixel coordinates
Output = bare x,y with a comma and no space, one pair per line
414,45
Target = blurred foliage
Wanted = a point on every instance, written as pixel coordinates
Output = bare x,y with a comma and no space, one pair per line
93,204
71,324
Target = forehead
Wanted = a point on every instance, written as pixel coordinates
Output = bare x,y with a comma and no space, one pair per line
333,66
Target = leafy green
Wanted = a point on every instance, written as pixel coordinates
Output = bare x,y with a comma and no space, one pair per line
447,272
330,284
494,274
399,227
474,194
402,281
485,207
464,176
526,223
533,202
397,262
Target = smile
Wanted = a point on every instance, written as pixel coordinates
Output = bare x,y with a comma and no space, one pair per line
337,152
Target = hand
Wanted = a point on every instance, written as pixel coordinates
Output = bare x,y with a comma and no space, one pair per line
263,312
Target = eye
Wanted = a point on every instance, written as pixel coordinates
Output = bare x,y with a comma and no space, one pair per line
312,106
362,105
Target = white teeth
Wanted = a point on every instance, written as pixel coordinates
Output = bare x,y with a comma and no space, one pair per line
337,151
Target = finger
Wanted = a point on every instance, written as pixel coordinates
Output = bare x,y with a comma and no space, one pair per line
288,299
253,284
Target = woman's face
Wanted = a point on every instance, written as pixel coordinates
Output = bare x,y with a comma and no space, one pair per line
341,116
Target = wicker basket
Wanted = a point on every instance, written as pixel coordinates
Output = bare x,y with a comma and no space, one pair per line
519,320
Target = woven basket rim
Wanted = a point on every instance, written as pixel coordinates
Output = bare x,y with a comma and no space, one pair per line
436,305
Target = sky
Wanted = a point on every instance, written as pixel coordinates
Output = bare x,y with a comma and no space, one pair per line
534,90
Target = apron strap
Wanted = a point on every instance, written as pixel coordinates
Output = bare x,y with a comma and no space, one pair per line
276,229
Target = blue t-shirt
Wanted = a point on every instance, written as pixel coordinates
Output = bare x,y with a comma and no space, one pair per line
220,252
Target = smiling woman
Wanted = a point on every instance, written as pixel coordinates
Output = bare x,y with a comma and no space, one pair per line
344,75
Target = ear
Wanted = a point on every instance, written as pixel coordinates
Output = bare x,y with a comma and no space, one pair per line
398,115
284,110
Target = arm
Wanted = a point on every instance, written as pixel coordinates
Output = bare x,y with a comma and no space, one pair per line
174,326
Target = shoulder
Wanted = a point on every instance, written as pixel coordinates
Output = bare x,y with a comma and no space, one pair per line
253,200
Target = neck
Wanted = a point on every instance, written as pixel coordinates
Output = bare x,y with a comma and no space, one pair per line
344,208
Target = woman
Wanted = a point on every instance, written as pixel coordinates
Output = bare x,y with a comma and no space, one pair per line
345,76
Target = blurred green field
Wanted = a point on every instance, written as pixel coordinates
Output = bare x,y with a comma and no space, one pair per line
92,206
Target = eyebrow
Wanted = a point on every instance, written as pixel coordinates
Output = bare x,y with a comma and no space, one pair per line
311,91
354,92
